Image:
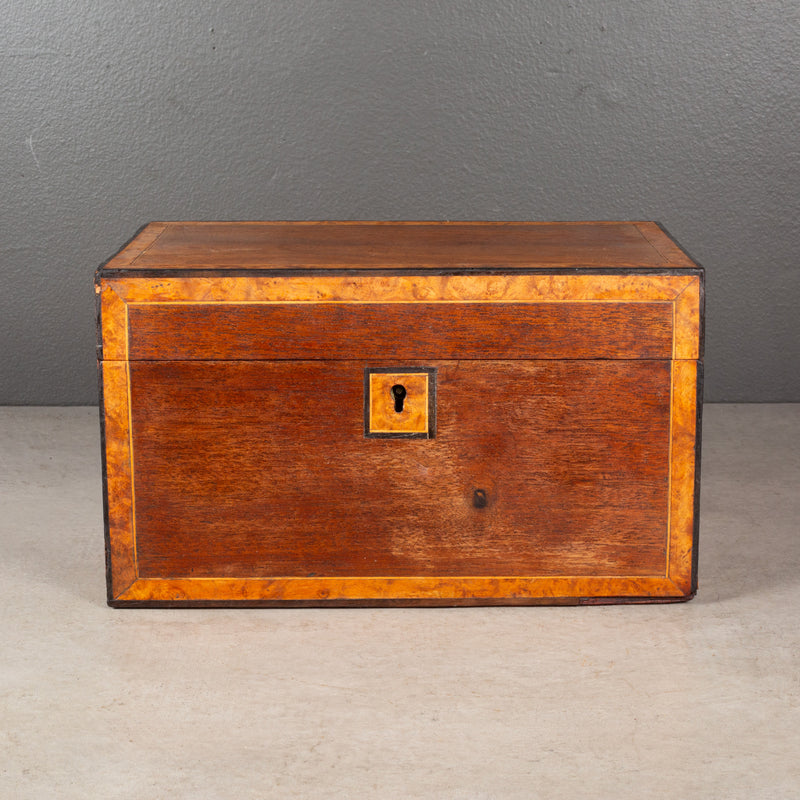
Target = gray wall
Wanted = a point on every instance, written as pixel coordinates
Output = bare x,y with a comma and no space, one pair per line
115,113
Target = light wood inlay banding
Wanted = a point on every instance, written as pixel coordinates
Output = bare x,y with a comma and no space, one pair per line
114,322
687,322
119,476
682,473
402,288
322,590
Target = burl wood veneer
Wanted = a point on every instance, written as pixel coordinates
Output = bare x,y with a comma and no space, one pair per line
400,413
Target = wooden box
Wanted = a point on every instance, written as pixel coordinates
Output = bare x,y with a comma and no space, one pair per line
400,413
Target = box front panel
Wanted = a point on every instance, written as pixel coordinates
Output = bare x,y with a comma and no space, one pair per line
246,463
259,469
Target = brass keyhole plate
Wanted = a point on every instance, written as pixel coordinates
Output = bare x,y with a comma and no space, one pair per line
414,417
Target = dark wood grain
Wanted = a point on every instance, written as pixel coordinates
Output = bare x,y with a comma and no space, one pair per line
400,331
259,469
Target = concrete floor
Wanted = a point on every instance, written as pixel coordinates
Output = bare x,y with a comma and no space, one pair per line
675,701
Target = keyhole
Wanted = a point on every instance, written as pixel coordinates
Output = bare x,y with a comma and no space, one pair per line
399,394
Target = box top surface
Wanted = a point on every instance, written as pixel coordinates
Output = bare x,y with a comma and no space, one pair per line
244,246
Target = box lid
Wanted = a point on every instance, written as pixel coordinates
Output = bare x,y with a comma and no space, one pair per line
245,247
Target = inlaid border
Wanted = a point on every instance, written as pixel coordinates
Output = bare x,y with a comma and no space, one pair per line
683,430
121,540
684,292
372,433
450,590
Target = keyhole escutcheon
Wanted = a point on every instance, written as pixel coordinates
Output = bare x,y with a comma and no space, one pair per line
399,395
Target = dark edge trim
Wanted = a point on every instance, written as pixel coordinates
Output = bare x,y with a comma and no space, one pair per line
305,272
431,434
702,344
607,601
698,440
104,470
102,267
431,602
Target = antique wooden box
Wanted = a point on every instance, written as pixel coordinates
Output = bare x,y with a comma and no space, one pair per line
385,413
